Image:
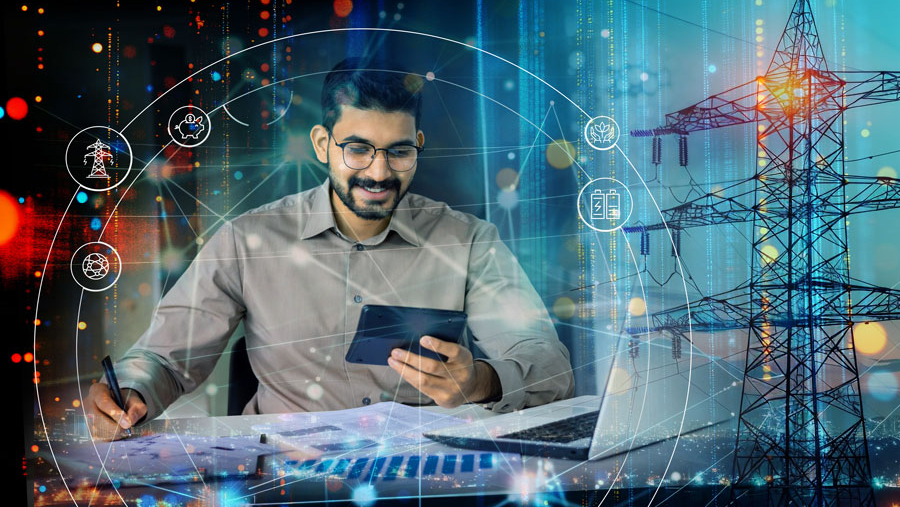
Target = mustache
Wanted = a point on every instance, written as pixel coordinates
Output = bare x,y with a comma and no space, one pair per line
390,183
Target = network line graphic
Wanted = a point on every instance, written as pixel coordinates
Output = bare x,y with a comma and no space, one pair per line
801,436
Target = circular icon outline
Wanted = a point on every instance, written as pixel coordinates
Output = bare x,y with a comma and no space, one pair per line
107,245
127,171
207,127
623,221
587,136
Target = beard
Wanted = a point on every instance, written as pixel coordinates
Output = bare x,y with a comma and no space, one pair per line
371,210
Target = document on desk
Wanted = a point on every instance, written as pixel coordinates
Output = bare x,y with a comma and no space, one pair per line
170,457
385,427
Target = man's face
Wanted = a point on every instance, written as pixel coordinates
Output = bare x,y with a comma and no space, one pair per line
371,193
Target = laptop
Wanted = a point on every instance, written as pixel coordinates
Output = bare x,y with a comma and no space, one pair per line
596,427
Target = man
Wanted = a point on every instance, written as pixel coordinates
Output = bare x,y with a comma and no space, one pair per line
297,271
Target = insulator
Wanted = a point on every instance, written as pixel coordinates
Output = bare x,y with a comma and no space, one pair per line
682,151
676,347
676,242
645,243
657,150
633,350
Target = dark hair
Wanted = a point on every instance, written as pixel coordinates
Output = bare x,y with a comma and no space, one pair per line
360,83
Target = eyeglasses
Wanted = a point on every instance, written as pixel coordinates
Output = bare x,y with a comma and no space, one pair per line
359,155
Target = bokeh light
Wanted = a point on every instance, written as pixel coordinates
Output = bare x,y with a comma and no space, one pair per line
97,47
769,253
869,337
637,307
343,8
9,217
564,308
882,385
560,154
16,108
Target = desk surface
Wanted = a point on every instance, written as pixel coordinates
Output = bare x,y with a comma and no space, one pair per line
421,470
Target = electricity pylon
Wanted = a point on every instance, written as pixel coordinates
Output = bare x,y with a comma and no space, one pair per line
99,152
801,434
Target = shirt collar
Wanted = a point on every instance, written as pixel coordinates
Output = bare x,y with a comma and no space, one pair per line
321,217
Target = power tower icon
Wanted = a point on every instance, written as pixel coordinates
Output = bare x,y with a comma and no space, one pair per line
99,152
801,436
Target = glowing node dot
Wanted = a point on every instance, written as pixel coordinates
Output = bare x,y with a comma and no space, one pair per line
712,69
35,448
82,325
16,358
40,10
37,322
865,132
24,8
96,47
158,8
76,403
604,33
29,357
429,75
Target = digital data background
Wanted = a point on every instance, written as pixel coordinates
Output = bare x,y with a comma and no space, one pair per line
504,141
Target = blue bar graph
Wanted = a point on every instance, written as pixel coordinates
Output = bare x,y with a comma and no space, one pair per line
449,464
393,468
468,463
357,468
412,466
430,465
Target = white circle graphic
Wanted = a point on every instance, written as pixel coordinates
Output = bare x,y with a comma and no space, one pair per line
104,146
609,204
91,265
602,133
189,126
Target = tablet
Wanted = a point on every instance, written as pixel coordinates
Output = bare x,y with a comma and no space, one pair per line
383,328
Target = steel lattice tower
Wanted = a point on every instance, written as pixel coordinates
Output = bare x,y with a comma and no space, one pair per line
801,434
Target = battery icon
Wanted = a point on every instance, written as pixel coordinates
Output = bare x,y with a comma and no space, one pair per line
598,205
612,205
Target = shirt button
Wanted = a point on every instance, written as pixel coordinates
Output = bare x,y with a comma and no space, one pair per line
359,246
357,298
366,400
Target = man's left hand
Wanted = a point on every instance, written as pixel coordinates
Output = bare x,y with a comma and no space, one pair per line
451,383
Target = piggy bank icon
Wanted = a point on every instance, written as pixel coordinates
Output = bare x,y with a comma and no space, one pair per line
191,126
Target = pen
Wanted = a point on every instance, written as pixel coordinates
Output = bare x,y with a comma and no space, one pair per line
114,385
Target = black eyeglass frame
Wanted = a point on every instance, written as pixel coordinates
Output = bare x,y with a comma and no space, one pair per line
419,149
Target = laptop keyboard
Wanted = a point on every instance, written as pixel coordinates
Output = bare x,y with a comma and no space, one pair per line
562,431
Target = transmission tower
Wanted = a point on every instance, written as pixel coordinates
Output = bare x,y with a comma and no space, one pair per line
99,152
801,435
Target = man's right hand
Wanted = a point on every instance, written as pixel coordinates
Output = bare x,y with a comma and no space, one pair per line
105,419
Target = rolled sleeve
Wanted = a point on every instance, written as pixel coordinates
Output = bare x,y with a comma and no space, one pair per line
510,324
189,329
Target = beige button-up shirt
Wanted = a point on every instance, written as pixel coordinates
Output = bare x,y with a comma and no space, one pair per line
299,285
